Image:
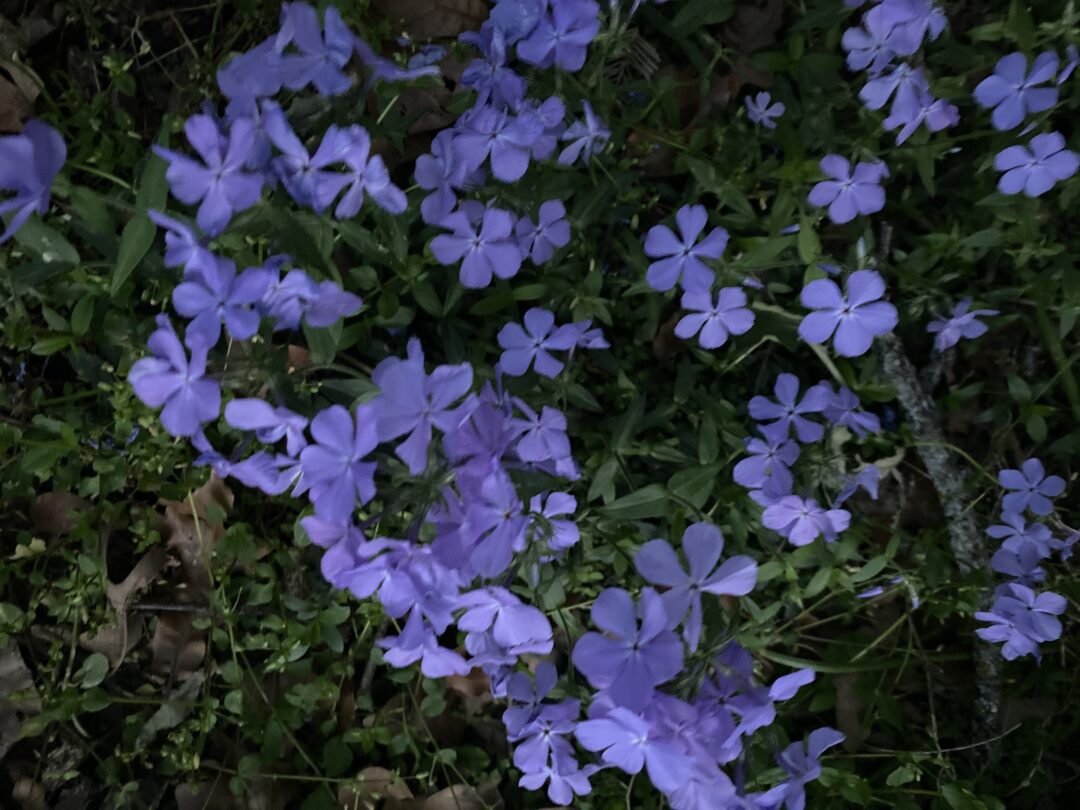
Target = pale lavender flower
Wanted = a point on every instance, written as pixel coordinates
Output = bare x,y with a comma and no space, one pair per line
849,193
1012,91
1034,171
715,320
680,257
961,324
29,162
761,110
856,319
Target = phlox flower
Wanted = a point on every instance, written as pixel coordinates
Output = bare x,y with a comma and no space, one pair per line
297,296
761,110
324,50
1034,170
29,163
703,544
769,460
562,36
530,344
627,742
270,424
1021,619
802,765
849,193
788,411
844,409
539,241
220,185
335,465
802,520
1031,488
417,642
856,319
715,320
212,292
169,378
637,653
680,257
484,245
587,138
962,323
1012,92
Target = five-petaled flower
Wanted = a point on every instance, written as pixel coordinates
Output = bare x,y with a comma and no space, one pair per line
1031,488
1012,91
715,320
1034,170
856,319
29,162
680,257
849,193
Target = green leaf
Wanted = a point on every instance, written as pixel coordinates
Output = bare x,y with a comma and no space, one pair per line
93,670
901,776
647,502
81,315
694,485
871,569
809,243
697,13
138,233
322,343
817,583
46,244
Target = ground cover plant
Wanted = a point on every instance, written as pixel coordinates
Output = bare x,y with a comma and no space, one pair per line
539,403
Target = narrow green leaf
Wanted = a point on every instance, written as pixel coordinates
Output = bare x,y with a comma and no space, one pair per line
647,502
138,233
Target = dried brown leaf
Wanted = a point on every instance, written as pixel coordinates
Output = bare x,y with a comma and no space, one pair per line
373,785
848,706
15,108
54,512
455,797
29,794
177,646
212,795
429,19
15,677
474,688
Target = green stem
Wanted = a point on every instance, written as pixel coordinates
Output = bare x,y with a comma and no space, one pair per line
1057,354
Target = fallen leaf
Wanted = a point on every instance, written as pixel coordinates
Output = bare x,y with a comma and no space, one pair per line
18,89
15,677
373,785
29,794
55,512
212,795
424,19
176,708
474,688
848,706
455,797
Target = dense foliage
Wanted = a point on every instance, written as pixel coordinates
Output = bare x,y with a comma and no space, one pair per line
619,405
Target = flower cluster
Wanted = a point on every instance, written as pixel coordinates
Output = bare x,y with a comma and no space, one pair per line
1020,618
767,470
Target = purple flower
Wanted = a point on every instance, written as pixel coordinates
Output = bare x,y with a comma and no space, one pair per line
1072,57
626,741
761,110
856,319
788,413
530,345
1032,488
935,114
412,401
1020,619
566,779
269,423
1014,532
961,324
560,534
170,379
562,36
867,49
365,173
323,53
484,251
849,193
587,138
1020,564
703,544
505,138
335,464
905,23
539,242
867,478
254,74
417,642
680,257
903,80
634,658
1011,90
213,292
440,172
298,296
543,738
769,459
802,521
382,69
29,162
802,766
843,409
1034,171
182,244
222,185
514,625
715,320
543,435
